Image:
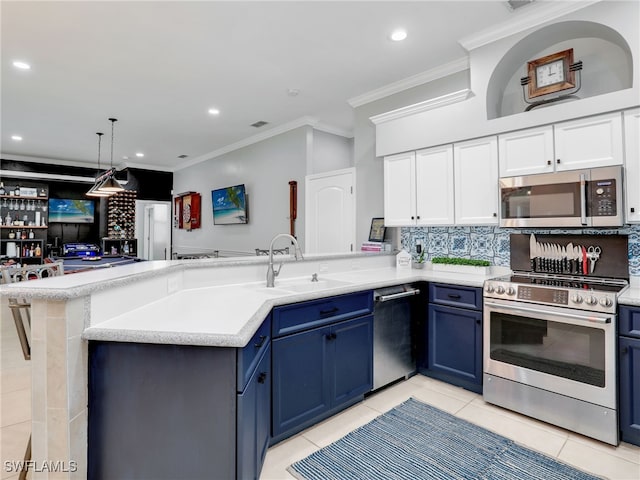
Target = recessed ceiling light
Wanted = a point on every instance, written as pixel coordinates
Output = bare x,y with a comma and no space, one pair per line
124,157
21,65
398,35
214,111
139,154
293,92
17,138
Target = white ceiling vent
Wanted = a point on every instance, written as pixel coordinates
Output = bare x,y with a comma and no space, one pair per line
259,124
516,4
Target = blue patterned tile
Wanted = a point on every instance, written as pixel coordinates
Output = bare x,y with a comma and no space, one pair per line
458,244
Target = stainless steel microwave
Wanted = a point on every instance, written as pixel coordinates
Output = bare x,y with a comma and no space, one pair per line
578,198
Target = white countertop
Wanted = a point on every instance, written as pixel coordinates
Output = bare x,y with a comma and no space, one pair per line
229,315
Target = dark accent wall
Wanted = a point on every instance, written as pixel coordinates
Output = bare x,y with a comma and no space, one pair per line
149,185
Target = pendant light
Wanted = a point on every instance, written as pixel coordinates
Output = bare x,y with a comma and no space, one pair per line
93,191
111,185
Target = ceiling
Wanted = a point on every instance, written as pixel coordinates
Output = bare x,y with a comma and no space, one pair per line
160,66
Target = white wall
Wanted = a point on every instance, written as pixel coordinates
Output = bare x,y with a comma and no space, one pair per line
330,152
266,169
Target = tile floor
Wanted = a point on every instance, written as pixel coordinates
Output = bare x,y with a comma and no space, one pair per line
621,463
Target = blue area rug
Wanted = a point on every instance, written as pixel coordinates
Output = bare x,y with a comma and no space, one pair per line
418,441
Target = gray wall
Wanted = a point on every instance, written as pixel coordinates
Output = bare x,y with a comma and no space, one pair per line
330,152
266,169
369,168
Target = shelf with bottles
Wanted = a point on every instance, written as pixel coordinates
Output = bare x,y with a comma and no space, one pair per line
120,246
18,191
16,212
22,249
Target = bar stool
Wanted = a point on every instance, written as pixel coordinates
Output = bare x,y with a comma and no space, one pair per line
276,251
21,311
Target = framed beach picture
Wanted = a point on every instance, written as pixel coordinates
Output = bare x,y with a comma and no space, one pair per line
229,205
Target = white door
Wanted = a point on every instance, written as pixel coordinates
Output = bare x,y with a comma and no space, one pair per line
400,190
434,186
476,181
589,142
330,212
153,229
526,151
632,155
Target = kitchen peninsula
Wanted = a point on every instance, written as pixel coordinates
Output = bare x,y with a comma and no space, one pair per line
195,303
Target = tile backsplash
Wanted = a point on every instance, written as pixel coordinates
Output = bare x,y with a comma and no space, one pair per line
492,243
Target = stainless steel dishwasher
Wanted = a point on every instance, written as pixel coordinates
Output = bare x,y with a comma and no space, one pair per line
393,350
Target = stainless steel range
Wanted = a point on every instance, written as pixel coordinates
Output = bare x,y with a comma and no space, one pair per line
550,349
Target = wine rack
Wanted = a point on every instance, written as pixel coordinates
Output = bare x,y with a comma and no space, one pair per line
121,216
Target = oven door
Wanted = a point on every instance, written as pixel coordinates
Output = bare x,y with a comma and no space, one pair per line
544,200
566,351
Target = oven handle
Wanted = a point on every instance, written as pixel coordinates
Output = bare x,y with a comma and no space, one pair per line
583,199
585,317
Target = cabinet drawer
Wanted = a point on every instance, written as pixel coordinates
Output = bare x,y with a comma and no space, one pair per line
455,296
630,321
303,316
249,356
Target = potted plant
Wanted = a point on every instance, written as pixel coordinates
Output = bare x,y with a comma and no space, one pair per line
461,265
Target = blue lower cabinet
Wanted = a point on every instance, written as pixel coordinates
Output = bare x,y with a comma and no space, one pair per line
253,420
630,389
454,351
318,372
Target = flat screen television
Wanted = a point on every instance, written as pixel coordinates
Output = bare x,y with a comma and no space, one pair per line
229,205
71,211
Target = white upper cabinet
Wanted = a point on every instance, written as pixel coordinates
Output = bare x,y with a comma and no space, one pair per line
400,190
589,142
526,151
632,156
434,186
476,182
584,143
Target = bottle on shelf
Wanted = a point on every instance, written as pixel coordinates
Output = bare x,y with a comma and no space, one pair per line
12,234
2,190
125,249
38,251
23,234
16,191
31,234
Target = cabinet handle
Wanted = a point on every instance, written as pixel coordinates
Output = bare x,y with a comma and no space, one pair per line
412,218
455,296
548,162
418,217
624,350
478,321
261,342
262,377
329,311
633,210
557,160
495,214
331,336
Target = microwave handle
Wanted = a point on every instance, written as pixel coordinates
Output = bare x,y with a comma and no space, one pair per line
583,199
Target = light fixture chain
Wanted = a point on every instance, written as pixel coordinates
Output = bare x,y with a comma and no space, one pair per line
113,121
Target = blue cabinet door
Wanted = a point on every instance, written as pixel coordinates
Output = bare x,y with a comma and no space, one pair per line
455,346
301,388
253,415
352,359
630,389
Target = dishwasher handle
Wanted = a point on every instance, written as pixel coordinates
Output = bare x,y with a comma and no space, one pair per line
395,296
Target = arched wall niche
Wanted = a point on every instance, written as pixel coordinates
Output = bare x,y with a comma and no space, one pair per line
607,59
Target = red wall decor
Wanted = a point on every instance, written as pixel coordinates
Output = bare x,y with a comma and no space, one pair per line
186,213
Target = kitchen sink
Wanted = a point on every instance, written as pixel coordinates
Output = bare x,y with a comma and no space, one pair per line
306,285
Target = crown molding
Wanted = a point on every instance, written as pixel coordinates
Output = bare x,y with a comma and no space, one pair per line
49,161
324,127
420,79
528,17
431,104
47,176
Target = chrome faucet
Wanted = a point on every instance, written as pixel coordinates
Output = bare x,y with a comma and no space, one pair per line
271,273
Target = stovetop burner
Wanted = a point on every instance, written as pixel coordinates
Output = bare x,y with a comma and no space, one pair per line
567,281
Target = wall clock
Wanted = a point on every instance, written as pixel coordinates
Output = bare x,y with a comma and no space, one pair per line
551,74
